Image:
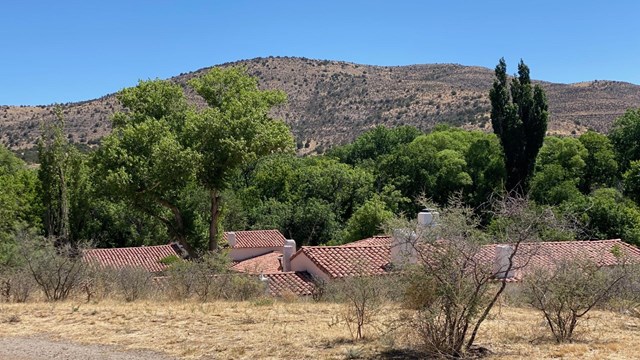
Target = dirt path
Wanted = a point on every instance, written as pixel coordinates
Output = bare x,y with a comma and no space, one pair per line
37,348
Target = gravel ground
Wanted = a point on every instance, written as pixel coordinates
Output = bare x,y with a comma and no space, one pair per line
39,348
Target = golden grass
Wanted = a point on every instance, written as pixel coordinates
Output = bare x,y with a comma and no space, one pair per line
299,330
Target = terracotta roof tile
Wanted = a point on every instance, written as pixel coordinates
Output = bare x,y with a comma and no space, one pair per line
378,240
257,238
299,283
547,254
146,257
341,261
267,263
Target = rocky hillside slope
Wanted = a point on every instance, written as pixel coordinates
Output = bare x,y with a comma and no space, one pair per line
331,102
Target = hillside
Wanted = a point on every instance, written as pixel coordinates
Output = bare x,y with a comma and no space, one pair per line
331,102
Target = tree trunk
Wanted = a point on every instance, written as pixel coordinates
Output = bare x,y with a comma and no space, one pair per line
177,230
213,225
63,232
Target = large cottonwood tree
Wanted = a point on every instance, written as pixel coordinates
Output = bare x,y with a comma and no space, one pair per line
144,161
163,149
234,130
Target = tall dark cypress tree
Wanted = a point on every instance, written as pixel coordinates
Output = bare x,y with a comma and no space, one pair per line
519,115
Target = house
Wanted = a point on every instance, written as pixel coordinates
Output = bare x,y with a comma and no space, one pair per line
376,256
286,269
150,258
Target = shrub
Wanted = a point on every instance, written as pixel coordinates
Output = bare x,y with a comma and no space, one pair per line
241,287
363,298
133,283
56,270
450,290
16,286
566,294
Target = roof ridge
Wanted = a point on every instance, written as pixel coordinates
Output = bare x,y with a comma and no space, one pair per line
129,247
340,246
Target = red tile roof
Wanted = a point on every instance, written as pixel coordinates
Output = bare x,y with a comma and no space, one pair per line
299,283
378,240
547,254
145,257
341,261
257,238
267,263
364,257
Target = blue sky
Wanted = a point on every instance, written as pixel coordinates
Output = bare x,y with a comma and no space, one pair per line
61,51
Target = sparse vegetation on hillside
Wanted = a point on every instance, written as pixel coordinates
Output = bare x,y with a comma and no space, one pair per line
332,102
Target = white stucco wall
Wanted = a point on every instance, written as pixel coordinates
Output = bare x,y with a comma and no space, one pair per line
247,253
302,263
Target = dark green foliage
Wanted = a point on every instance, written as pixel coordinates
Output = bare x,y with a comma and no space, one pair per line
374,143
442,163
606,214
625,137
559,170
601,166
519,118
632,181
366,221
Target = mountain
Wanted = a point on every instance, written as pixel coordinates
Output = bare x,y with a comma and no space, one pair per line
331,102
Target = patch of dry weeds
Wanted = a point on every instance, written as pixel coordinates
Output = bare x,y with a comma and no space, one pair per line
291,330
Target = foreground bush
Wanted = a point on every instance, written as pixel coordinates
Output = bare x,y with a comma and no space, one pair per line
450,290
566,294
57,270
363,298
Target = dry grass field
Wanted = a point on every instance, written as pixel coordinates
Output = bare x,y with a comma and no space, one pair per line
264,329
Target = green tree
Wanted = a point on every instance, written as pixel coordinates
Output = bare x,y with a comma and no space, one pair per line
519,115
374,143
144,161
559,170
233,131
632,181
601,166
53,155
607,214
20,206
624,136
367,220
444,162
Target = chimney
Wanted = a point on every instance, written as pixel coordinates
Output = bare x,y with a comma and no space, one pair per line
231,239
428,217
287,252
404,240
402,247
501,262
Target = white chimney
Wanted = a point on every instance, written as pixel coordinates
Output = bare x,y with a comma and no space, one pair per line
427,218
501,262
287,252
403,247
231,239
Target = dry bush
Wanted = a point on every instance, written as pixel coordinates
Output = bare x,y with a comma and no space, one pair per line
57,270
181,280
566,294
99,283
209,278
16,285
240,287
363,298
450,289
132,283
